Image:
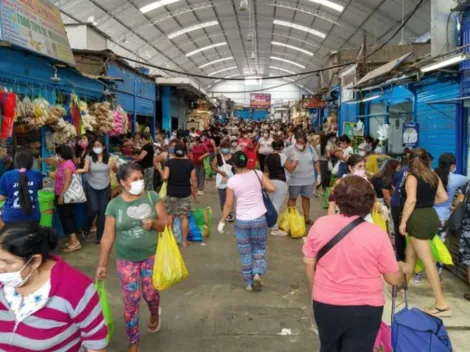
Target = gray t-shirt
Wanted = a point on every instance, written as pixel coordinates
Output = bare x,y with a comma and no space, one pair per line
304,173
98,175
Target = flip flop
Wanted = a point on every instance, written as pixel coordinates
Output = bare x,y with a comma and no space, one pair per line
75,248
154,328
439,313
467,296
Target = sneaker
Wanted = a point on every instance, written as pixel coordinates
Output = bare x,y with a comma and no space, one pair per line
418,278
249,288
278,233
258,283
230,218
200,193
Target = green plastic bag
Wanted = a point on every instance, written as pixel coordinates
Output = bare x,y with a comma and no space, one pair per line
199,218
203,218
440,253
326,196
207,167
108,316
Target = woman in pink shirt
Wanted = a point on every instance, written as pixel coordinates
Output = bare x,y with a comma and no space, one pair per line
250,220
347,282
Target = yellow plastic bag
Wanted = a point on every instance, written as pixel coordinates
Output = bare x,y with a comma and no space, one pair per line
283,221
296,223
169,267
163,190
440,253
378,220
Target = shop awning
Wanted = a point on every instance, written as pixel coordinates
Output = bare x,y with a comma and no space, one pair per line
381,71
449,101
183,83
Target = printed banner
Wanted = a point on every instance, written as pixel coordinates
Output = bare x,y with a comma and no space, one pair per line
411,134
311,101
260,101
35,25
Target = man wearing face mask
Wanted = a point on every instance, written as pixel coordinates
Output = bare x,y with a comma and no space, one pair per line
264,148
180,173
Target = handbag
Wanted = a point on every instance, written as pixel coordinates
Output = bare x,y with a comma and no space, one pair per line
75,192
271,213
456,218
338,237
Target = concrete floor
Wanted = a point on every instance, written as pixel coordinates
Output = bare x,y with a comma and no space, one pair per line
211,311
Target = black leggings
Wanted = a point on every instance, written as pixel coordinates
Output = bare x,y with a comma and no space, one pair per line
347,328
325,174
400,241
66,218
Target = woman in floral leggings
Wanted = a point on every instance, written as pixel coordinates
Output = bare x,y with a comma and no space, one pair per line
133,220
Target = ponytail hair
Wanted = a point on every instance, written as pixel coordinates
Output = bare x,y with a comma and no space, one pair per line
24,162
442,170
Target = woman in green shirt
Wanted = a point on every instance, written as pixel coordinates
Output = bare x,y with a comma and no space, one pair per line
133,221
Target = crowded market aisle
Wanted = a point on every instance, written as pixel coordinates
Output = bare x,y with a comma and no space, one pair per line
211,310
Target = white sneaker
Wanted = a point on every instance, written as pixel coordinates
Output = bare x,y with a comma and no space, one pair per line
200,193
278,233
258,284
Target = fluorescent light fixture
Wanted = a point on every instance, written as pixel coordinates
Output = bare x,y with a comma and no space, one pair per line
223,70
330,4
253,80
300,28
363,100
288,61
235,75
292,47
155,5
445,63
205,48
192,28
281,69
216,61
216,81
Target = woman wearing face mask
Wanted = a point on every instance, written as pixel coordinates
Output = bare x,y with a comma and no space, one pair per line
38,309
250,222
65,168
233,145
303,178
19,188
97,167
264,148
82,151
180,173
133,221
223,166
199,152
145,160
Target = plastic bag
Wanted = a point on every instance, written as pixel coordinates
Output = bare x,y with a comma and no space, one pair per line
108,316
203,219
7,107
296,223
440,253
169,267
326,196
378,220
283,221
163,190
195,234
383,341
207,167
177,230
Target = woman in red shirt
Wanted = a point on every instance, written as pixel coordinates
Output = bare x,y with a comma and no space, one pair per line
199,152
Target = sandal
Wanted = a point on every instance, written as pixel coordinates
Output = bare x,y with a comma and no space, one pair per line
439,313
154,328
65,245
467,296
70,249
187,243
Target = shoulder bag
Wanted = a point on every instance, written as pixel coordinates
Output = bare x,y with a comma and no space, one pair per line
271,213
338,237
75,192
456,218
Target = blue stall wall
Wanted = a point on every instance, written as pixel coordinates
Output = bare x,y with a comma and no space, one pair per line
145,88
242,114
260,114
127,85
145,107
126,101
437,122
347,113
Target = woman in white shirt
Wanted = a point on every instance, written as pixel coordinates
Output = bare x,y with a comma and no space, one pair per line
264,148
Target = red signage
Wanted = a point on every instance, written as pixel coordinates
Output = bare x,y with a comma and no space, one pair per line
260,101
311,101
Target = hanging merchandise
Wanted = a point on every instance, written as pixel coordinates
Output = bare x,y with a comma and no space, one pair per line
54,114
75,112
86,118
121,122
40,111
24,111
7,107
63,132
103,119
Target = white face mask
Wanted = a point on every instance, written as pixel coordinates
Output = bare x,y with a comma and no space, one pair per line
14,279
137,187
360,173
362,153
97,150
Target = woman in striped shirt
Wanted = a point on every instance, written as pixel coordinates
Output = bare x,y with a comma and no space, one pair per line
45,304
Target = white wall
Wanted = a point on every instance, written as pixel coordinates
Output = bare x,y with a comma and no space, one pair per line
240,93
84,37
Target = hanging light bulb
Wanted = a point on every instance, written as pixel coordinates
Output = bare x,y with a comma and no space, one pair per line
253,56
249,37
91,20
243,5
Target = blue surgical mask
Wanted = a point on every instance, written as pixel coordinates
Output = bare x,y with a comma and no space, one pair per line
171,150
225,150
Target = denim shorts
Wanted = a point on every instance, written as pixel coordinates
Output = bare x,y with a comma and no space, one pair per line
304,191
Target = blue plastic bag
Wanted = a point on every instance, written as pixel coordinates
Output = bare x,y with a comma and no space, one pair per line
177,230
195,234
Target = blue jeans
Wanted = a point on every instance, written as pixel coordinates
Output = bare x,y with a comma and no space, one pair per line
97,202
251,242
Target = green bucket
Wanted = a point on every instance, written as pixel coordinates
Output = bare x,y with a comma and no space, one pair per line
46,206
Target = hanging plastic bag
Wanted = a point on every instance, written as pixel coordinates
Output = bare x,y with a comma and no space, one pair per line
163,190
177,230
440,253
207,222
108,316
296,223
378,220
169,267
283,221
195,234
383,341
7,107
